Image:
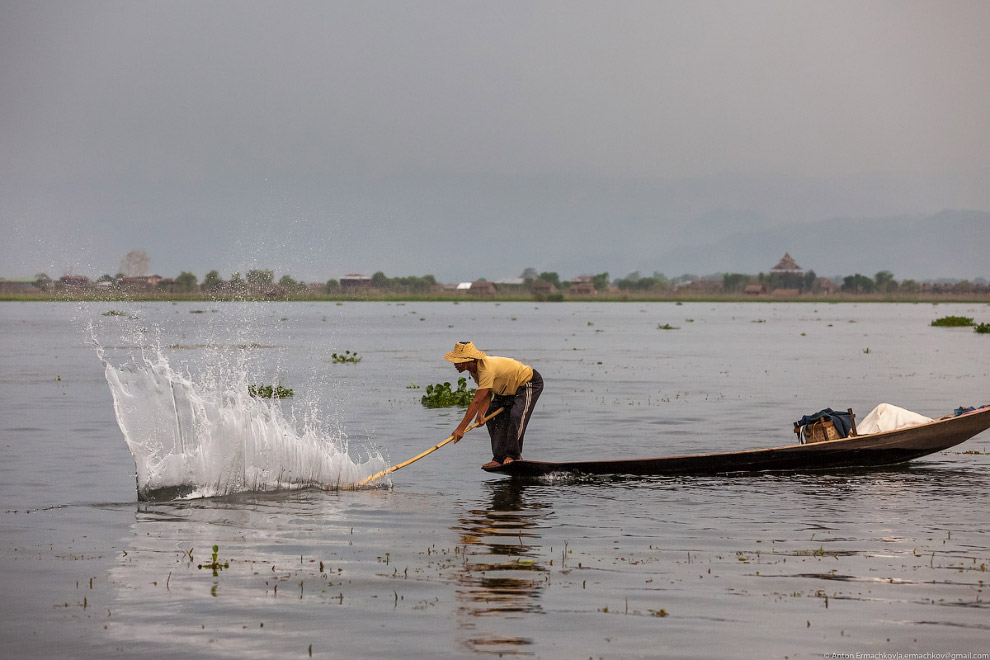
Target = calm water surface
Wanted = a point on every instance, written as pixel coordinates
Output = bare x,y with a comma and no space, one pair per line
448,561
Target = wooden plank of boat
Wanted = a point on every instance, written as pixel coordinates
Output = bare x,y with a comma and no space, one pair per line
872,450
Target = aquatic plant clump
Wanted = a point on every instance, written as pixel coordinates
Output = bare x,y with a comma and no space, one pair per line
441,396
268,392
215,564
953,322
983,328
346,358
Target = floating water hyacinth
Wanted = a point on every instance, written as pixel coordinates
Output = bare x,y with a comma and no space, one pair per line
267,391
441,396
347,357
953,322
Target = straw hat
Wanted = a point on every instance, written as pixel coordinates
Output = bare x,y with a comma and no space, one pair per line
464,351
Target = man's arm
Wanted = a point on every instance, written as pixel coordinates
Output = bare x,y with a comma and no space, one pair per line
476,409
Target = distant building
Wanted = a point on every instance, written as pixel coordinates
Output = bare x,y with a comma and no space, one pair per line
354,281
786,293
74,281
513,284
543,287
755,290
482,288
581,289
786,266
18,286
824,285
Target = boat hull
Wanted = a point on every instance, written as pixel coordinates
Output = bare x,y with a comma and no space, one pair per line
877,449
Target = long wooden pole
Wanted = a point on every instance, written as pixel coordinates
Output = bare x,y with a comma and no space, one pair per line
381,474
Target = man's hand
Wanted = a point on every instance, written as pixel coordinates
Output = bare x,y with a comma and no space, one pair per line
458,434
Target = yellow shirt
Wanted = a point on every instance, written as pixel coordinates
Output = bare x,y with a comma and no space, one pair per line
502,375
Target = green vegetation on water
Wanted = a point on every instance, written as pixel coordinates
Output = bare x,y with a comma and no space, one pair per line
983,328
215,564
441,396
268,392
346,358
953,322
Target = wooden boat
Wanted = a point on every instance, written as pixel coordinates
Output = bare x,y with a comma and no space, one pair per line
886,448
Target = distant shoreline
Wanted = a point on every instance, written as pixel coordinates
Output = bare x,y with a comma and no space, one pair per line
461,298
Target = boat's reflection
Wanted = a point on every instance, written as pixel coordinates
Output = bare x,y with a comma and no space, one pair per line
501,576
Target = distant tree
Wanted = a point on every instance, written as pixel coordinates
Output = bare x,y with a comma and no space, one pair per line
237,283
785,281
333,286
551,277
413,284
185,282
212,282
650,284
857,284
627,283
809,281
287,283
106,277
909,286
734,281
136,263
260,279
530,274
884,282
634,282
600,281
964,286
42,281
380,281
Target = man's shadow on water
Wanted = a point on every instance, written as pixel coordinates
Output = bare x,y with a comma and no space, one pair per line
501,576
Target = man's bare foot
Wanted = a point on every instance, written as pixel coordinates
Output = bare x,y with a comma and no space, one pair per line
491,464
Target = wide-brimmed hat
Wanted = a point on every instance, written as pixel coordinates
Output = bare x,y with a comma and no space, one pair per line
464,351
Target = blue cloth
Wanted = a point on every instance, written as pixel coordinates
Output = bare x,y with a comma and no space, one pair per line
842,421
962,410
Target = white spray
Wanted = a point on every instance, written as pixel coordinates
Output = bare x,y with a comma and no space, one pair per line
208,438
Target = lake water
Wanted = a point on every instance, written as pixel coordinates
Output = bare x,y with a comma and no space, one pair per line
443,559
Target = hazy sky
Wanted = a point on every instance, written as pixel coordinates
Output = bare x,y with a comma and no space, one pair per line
470,138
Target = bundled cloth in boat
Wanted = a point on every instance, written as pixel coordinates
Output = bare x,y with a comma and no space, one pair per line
887,417
825,424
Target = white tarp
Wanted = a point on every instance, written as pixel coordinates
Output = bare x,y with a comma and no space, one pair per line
886,417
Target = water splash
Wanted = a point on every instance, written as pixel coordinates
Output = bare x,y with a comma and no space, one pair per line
208,437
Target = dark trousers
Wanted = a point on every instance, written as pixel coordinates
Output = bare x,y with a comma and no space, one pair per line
508,428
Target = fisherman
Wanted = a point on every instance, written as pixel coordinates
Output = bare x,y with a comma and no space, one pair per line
502,383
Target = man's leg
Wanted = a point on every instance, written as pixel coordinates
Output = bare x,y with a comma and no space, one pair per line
498,430
521,413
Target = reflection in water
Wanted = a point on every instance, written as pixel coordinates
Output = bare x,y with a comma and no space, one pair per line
501,576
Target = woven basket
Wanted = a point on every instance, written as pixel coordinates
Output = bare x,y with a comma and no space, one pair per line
820,431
